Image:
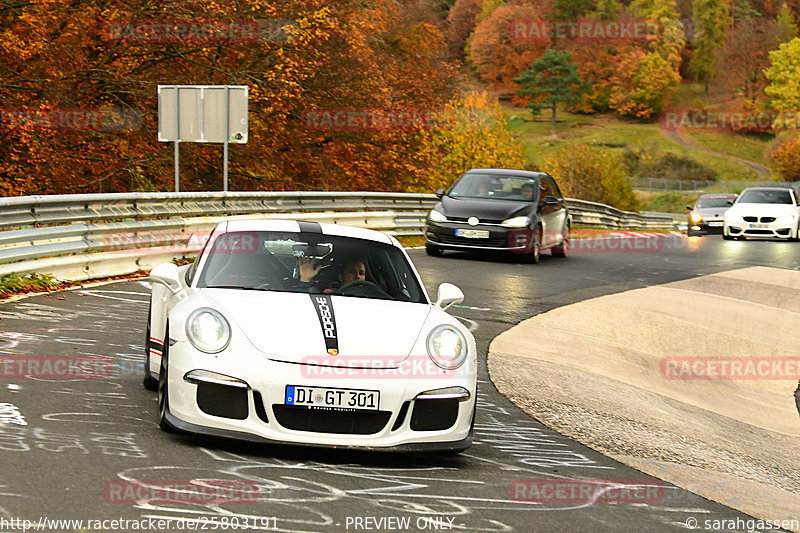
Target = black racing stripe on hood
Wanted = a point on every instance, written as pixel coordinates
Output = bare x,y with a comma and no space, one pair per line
323,304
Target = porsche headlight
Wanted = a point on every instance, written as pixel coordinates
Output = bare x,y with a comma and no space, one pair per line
695,217
516,222
436,216
447,347
208,331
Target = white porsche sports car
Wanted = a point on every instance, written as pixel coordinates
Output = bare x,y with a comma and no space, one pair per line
309,334
765,213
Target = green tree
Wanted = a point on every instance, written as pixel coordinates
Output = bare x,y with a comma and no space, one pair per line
784,77
712,19
786,29
552,78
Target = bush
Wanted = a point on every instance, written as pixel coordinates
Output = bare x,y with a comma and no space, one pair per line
590,174
667,166
787,158
14,283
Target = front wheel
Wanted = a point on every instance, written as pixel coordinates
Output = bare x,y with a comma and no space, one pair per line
562,249
433,250
535,247
163,389
725,235
149,382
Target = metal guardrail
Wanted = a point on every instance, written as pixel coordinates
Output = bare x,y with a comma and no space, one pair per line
96,235
703,186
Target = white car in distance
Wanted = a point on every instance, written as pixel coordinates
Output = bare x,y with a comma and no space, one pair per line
763,213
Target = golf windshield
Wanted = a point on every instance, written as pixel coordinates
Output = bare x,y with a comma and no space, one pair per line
492,186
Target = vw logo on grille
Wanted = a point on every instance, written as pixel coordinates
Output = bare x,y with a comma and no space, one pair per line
472,221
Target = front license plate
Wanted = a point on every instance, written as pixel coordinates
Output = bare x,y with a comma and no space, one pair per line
301,395
759,225
472,233
714,223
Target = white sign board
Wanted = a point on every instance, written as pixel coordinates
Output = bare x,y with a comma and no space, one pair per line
197,113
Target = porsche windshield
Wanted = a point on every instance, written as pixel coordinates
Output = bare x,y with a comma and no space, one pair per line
310,263
490,186
714,201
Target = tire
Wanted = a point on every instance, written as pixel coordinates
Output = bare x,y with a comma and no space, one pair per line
149,382
725,235
163,389
433,250
562,250
536,248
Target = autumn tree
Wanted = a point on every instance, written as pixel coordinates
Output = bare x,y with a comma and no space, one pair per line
787,158
297,56
460,23
592,174
740,62
784,77
470,132
501,47
712,19
786,29
552,79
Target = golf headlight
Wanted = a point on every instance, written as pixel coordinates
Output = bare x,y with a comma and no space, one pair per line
436,216
447,347
516,222
695,217
208,331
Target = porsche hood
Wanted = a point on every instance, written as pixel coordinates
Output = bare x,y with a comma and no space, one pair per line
298,327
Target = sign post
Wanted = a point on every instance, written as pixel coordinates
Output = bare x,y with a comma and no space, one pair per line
202,113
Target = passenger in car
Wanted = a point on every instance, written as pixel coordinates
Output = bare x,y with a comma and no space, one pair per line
527,191
353,269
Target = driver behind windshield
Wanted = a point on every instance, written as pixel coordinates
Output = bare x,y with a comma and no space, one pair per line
353,269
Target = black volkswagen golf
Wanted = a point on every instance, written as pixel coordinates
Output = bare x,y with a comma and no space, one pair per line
501,210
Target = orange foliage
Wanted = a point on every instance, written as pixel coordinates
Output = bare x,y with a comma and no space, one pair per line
499,58
308,54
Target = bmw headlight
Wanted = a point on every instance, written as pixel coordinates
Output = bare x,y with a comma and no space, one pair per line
208,331
447,347
787,218
436,216
516,222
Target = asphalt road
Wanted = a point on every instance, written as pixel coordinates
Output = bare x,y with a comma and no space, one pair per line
64,445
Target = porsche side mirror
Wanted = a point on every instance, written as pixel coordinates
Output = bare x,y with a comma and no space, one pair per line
689,207
729,202
447,295
166,274
440,193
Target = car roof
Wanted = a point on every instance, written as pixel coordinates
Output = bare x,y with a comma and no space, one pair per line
778,188
719,195
507,172
263,224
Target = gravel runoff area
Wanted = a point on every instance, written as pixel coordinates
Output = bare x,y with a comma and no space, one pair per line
619,374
